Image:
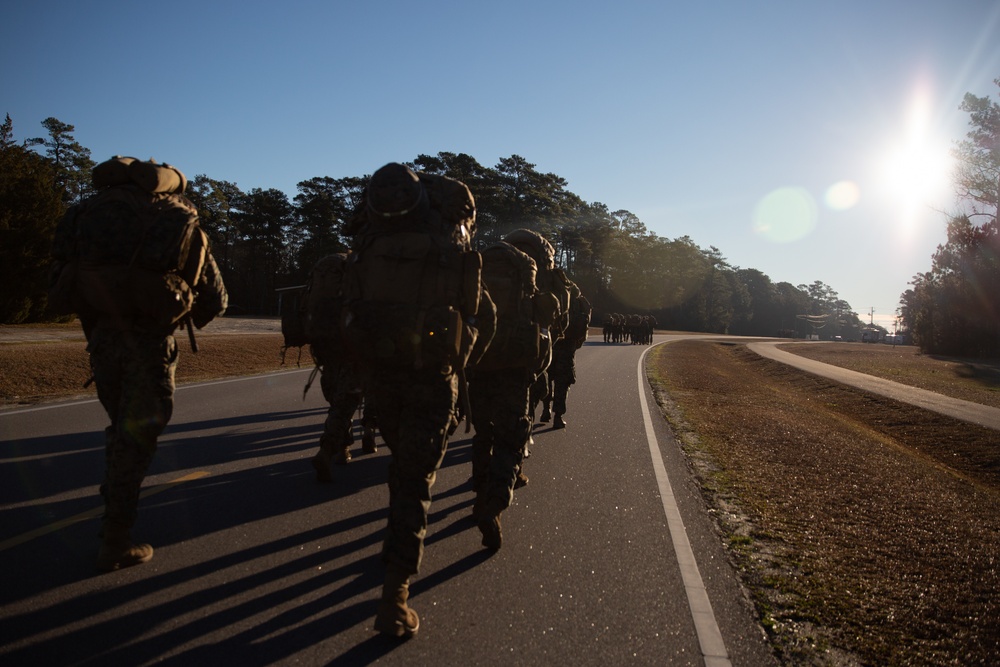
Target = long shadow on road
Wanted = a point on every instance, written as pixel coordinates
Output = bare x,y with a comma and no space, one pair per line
54,605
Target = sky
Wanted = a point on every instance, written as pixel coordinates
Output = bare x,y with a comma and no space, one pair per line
810,141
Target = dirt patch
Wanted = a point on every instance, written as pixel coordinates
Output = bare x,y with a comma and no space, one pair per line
33,372
866,530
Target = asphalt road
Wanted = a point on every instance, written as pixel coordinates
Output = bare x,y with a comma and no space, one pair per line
609,554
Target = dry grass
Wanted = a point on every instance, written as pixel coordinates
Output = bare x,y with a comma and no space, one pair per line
867,531
50,370
969,379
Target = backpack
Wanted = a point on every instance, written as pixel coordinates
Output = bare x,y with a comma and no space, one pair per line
412,281
310,315
509,277
579,318
323,300
313,312
293,326
549,278
135,249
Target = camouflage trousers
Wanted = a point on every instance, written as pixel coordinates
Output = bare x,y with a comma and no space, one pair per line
539,392
562,374
341,385
134,374
414,409
499,402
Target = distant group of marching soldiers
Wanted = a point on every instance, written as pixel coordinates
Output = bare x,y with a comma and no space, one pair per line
634,329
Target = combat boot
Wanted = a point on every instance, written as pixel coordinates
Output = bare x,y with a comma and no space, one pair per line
394,618
368,445
546,415
558,422
118,551
342,457
489,526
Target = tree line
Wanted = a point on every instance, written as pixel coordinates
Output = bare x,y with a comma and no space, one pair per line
264,241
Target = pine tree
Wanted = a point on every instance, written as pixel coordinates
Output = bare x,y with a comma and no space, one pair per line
30,207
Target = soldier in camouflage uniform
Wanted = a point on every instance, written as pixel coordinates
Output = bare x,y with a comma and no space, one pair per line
499,400
552,280
315,319
415,404
500,394
341,385
133,360
415,409
562,372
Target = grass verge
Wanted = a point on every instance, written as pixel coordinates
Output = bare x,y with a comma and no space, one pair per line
34,372
866,531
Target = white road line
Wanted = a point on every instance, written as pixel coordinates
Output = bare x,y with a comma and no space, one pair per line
50,406
182,387
713,648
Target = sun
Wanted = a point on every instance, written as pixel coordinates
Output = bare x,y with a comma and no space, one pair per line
917,172
916,169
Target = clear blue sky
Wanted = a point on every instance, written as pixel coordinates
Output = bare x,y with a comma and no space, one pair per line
807,140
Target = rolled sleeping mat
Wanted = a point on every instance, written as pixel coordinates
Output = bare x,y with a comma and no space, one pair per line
157,178
111,172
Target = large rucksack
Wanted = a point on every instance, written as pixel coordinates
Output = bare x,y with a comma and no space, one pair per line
509,276
323,300
412,281
313,313
134,250
579,317
552,285
550,278
291,307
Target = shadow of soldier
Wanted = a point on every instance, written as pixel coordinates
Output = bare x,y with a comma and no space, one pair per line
256,604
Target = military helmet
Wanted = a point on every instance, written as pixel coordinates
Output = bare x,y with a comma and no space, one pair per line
395,191
535,245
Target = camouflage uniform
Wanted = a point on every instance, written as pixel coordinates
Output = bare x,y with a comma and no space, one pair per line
502,392
540,392
133,368
552,280
414,408
499,401
341,385
134,374
409,375
133,359
562,374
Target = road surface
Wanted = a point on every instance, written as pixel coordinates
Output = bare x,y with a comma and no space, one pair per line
609,554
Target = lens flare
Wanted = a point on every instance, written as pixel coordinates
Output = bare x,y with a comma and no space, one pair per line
785,215
842,196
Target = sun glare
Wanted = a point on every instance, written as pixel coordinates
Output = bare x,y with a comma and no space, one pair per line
916,169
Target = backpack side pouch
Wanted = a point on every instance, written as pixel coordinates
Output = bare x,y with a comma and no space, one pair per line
164,298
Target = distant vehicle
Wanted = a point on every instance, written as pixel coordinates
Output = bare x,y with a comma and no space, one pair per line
871,336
